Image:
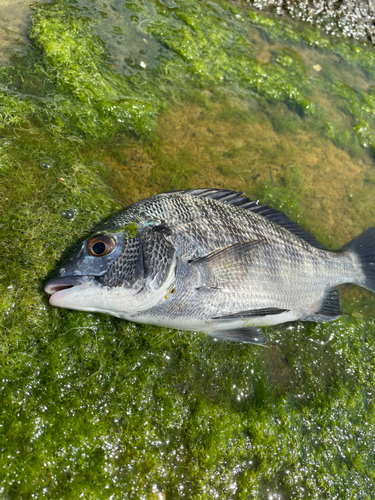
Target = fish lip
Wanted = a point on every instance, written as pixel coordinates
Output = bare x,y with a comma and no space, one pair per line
58,284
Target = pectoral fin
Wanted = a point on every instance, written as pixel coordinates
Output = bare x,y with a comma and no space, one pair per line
231,253
245,335
226,265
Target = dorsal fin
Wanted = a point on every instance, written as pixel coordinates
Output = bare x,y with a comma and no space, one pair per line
237,199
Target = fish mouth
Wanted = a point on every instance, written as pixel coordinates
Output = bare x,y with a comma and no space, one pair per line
58,284
63,290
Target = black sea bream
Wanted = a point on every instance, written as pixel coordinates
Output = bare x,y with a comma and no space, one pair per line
212,261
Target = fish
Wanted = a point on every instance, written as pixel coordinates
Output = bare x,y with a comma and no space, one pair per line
213,261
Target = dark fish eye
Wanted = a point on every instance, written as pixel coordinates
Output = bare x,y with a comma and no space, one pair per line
101,245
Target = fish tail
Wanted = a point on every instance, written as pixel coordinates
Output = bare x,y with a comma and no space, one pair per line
364,249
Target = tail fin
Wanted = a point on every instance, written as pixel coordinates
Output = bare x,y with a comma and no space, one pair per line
364,248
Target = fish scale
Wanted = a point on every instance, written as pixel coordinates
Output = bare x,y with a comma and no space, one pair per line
273,283
213,261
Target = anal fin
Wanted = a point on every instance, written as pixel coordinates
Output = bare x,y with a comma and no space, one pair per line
245,335
329,309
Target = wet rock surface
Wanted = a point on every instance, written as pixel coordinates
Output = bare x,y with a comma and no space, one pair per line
353,19
95,407
14,20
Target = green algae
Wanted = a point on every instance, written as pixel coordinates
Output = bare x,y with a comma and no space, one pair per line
131,230
216,50
95,407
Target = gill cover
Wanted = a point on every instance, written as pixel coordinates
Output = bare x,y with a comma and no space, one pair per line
145,258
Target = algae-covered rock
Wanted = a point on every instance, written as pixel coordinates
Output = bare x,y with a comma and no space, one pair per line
116,102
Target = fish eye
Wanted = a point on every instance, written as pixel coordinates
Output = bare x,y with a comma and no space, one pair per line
101,245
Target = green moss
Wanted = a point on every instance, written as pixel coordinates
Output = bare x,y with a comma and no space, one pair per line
15,111
100,102
286,124
210,45
131,230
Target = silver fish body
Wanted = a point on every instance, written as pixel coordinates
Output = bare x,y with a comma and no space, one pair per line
212,261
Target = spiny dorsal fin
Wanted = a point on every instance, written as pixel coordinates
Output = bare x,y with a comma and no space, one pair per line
238,200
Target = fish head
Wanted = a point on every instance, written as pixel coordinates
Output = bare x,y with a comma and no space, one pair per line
116,272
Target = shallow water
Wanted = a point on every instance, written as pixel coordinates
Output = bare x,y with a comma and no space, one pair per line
14,22
115,102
